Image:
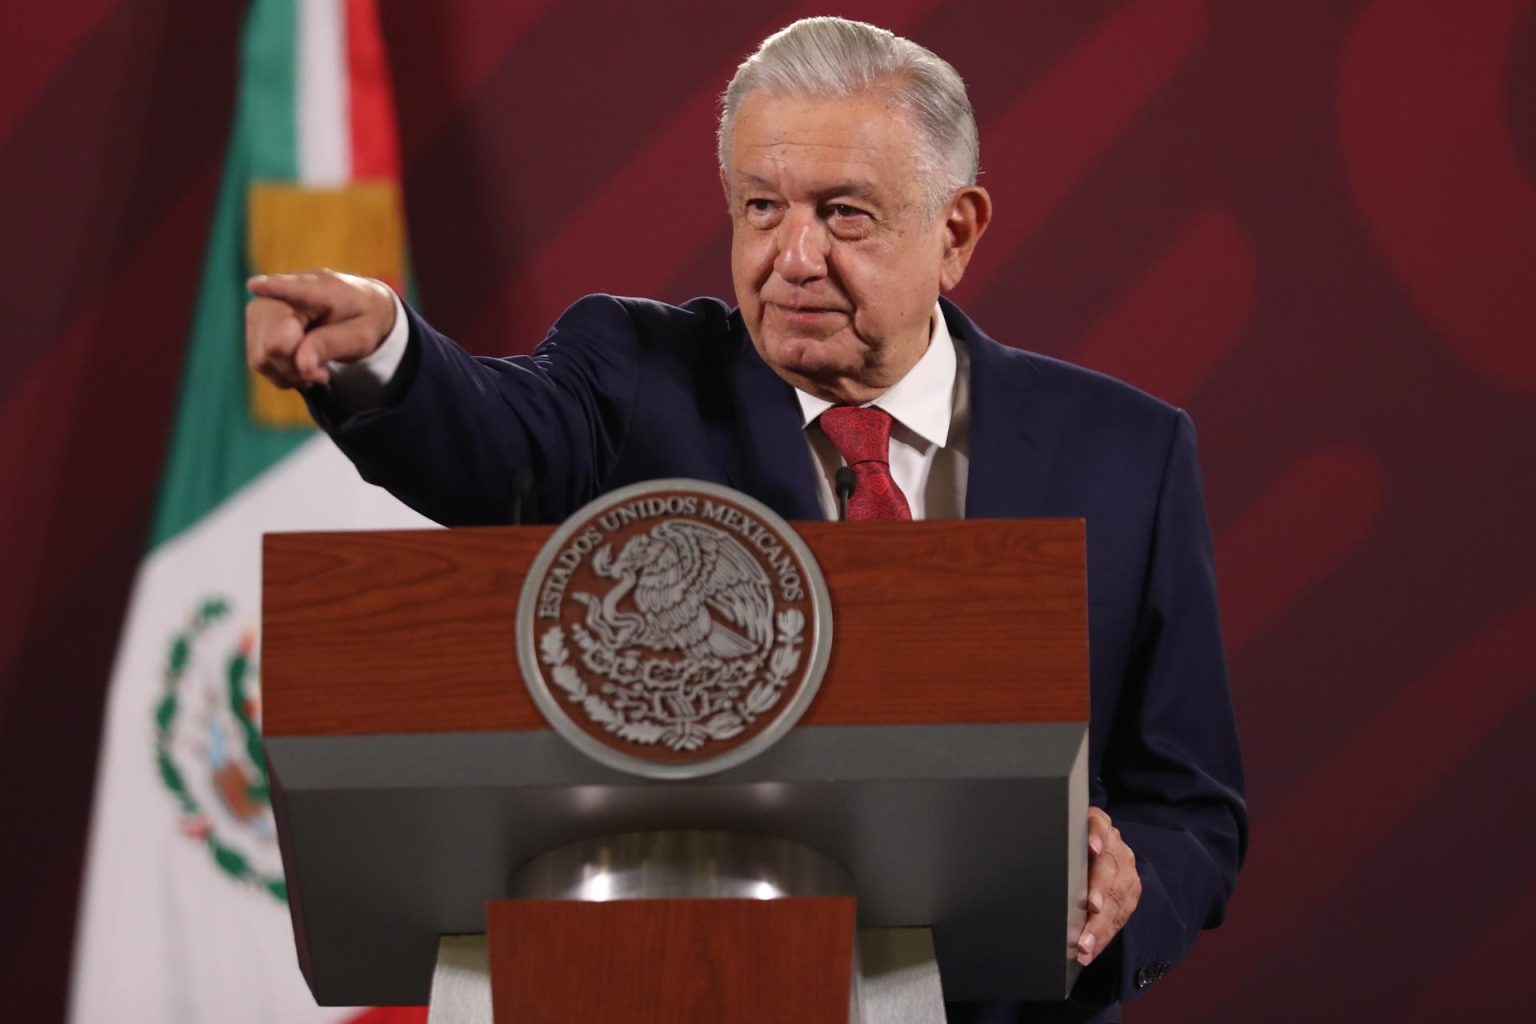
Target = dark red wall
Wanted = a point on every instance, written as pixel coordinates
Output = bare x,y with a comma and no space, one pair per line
1312,224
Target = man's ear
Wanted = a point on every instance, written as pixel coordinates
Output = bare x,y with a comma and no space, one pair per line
965,220
725,187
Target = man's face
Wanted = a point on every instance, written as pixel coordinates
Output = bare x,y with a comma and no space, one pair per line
836,261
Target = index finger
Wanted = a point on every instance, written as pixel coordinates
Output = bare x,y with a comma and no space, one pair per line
1098,829
308,290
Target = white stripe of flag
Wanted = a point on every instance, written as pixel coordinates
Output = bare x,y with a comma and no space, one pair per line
323,115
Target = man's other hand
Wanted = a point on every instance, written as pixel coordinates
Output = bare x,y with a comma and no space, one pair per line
1114,887
297,323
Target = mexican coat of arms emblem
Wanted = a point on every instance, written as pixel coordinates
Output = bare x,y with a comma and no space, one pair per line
673,629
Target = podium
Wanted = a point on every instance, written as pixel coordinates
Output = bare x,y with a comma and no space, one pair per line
936,782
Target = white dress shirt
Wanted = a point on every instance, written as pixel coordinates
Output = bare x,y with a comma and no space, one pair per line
930,407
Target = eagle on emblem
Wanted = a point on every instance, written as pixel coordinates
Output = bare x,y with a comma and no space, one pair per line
694,589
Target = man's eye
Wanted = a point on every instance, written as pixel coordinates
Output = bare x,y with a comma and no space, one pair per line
845,212
759,205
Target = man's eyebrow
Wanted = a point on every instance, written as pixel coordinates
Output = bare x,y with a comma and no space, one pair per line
853,189
754,181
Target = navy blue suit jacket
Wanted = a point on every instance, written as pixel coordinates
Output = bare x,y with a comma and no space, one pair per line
623,390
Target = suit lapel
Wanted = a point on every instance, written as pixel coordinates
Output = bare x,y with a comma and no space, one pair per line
758,434
1010,445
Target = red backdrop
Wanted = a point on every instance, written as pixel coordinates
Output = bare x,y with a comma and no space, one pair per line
1311,224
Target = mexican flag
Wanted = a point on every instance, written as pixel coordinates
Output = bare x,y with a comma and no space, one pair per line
184,916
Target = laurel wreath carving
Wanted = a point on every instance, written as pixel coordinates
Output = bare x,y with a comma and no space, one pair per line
734,694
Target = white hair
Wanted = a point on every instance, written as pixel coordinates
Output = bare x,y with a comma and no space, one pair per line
834,57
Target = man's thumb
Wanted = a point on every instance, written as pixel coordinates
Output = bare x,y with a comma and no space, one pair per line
344,343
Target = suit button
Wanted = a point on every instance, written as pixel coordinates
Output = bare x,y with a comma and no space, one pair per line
1143,977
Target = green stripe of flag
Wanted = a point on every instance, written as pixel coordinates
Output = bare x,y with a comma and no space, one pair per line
215,447
269,83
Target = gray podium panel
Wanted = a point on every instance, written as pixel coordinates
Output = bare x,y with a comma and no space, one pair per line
975,830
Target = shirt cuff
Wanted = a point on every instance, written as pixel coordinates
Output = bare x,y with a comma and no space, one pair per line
365,381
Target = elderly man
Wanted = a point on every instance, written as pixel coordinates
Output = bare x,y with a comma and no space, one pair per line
848,157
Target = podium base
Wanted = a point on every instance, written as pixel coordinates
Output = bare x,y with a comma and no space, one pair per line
461,982
897,980
657,927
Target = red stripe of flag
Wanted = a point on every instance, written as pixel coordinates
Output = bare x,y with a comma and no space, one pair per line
391,1015
375,148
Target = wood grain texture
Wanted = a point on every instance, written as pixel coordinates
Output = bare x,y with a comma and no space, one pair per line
934,622
672,961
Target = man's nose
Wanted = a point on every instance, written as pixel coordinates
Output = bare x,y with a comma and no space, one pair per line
802,247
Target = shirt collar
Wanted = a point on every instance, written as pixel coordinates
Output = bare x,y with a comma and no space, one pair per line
923,400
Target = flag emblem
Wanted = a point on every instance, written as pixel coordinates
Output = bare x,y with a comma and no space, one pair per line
208,744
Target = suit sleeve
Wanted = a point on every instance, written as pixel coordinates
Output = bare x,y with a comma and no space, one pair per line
1172,773
459,432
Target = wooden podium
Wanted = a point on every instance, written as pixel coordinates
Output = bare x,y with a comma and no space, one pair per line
942,766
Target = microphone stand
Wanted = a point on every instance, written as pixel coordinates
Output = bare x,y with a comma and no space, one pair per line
846,480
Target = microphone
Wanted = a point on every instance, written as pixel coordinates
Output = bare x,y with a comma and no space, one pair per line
522,493
846,480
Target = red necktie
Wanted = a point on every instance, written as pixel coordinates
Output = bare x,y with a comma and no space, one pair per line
863,437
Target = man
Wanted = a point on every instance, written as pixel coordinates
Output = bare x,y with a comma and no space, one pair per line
848,157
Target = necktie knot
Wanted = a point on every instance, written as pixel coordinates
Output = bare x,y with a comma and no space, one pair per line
862,435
